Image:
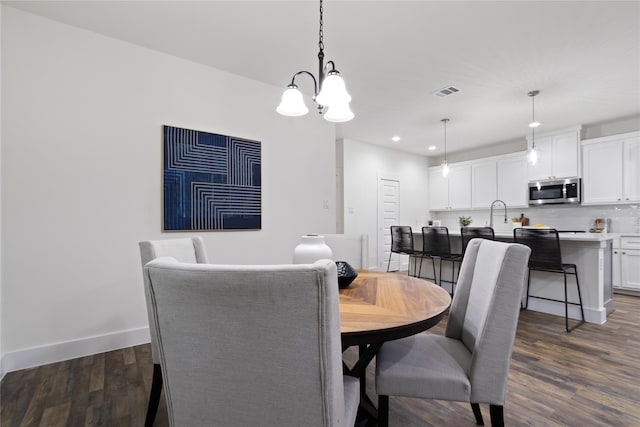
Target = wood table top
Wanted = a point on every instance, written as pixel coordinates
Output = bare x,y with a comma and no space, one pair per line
379,307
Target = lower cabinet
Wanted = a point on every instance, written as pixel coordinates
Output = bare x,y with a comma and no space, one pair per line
626,264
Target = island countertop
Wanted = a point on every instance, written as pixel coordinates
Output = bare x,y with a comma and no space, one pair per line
567,236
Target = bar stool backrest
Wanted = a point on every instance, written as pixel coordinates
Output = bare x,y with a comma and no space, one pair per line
401,239
435,241
469,233
545,247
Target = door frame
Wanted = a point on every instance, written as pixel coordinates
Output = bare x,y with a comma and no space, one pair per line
383,176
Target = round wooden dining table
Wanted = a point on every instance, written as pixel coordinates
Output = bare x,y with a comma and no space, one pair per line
379,307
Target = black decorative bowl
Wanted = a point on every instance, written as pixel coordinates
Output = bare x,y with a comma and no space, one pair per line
346,274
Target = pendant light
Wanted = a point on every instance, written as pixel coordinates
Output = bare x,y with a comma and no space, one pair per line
533,153
445,165
332,97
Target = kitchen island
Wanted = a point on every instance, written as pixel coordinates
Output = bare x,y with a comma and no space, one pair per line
592,254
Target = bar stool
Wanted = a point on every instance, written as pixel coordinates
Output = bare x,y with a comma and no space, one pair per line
402,244
546,256
468,233
436,244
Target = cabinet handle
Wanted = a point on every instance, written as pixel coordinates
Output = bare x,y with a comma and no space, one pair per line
615,252
619,198
627,198
624,253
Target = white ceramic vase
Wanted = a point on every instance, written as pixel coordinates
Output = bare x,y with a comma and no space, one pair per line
311,249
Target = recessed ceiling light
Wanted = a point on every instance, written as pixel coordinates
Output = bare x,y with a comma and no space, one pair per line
395,138
432,147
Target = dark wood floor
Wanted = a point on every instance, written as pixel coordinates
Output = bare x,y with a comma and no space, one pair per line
590,377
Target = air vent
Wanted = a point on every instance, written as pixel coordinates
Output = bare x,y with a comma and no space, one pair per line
446,91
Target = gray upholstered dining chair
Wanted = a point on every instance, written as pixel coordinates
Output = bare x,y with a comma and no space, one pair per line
251,345
471,361
186,250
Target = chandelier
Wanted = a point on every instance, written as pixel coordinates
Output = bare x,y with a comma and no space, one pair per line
332,98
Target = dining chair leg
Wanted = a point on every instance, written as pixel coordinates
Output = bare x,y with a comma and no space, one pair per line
389,262
475,407
154,396
566,304
579,295
526,301
383,410
497,416
579,299
453,271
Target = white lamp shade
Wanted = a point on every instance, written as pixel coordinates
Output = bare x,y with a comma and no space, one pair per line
292,103
339,113
533,156
445,168
333,91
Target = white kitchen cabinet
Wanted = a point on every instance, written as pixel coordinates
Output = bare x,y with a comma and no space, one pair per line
438,190
512,181
611,167
616,264
630,262
558,155
451,192
484,188
460,187
631,166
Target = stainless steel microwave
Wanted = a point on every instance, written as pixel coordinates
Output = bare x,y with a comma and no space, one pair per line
555,191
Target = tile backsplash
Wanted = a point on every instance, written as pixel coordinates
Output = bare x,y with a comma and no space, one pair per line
624,218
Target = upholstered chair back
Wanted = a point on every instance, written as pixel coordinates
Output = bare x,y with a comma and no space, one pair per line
249,345
185,250
484,312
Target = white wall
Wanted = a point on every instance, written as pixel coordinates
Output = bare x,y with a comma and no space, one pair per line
81,173
362,163
613,127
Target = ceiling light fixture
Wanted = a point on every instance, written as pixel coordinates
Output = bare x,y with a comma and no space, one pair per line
533,153
395,139
332,99
445,165
431,147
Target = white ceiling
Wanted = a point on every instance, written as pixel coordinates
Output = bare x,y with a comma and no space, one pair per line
584,57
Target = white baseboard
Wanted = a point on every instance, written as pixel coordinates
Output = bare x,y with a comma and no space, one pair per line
51,353
591,315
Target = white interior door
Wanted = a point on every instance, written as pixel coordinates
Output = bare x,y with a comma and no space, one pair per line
388,215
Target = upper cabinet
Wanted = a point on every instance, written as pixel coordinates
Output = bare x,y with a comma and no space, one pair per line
484,178
512,180
452,191
611,167
476,184
558,155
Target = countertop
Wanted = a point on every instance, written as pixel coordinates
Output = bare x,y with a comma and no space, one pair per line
578,237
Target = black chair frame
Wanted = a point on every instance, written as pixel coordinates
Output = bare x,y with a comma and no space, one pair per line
550,262
437,245
402,244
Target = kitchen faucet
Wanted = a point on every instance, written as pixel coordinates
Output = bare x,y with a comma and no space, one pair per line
491,212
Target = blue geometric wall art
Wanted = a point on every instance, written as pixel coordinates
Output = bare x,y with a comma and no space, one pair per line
211,181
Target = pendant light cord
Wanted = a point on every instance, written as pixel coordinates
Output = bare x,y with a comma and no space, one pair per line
533,119
445,138
321,32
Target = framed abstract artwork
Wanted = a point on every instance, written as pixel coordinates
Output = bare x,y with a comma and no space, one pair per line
210,181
